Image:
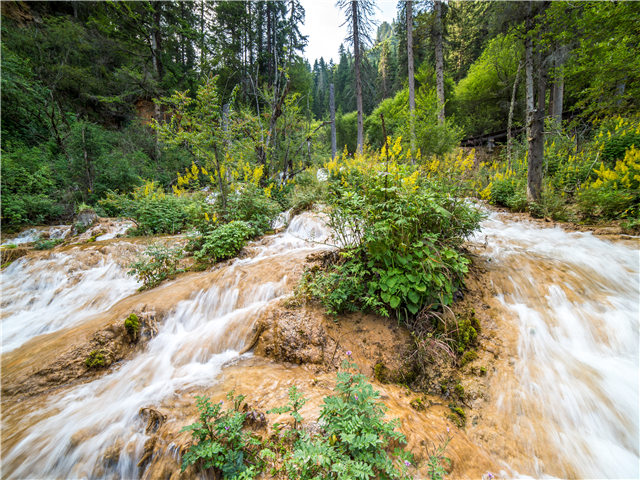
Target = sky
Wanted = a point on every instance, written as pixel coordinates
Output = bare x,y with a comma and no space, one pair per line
322,25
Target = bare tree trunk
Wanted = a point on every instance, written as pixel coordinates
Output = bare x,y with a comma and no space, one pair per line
332,108
412,90
356,51
528,46
439,61
536,141
511,108
558,86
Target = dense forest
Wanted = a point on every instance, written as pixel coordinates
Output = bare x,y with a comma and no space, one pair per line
82,83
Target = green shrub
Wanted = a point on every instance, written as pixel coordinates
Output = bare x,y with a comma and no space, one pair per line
218,440
150,208
224,242
249,204
398,235
47,244
356,439
157,263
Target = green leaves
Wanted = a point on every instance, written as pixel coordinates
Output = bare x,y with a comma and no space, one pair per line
224,242
157,263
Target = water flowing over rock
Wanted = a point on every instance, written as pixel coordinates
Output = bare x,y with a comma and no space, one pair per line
564,377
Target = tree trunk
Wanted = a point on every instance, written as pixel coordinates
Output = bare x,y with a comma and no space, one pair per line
412,90
528,47
356,51
439,61
558,87
536,141
511,108
332,108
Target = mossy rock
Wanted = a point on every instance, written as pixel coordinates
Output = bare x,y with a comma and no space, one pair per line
417,404
469,357
381,373
97,359
458,416
132,324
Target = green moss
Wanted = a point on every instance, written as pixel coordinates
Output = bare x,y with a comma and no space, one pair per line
5,265
458,417
96,359
469,357
132,324
417,404
475,323
381,373
459,390
93,239
483,371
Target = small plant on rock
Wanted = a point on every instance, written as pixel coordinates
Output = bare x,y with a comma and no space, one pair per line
158,263
132,324
296,402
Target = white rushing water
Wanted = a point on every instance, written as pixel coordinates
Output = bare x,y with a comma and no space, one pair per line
576,299
198,338
43,295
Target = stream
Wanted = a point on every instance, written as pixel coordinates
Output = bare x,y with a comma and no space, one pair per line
564,394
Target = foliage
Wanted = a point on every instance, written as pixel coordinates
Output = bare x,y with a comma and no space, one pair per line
251,205
353,443
221,443
47,244
296,402
398,231
26,186
356,436
224,242
157,263
600,181
153,211
483,97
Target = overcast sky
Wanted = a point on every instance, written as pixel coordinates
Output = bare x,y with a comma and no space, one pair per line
322,25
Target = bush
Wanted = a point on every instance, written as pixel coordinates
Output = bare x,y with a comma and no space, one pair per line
398,233
354,441
47,244
224,242
150,208
221,443
356,438
158,262
250,204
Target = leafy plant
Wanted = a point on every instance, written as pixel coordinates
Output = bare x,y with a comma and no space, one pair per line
224,242
436,457
356,436
47,244
157,263
296,402
219,441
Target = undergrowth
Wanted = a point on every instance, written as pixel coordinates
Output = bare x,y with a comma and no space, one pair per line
354,441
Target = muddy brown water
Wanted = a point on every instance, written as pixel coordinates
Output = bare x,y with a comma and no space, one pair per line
563,392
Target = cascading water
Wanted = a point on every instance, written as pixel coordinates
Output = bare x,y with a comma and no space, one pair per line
64,289
566,405
67,437
569,401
